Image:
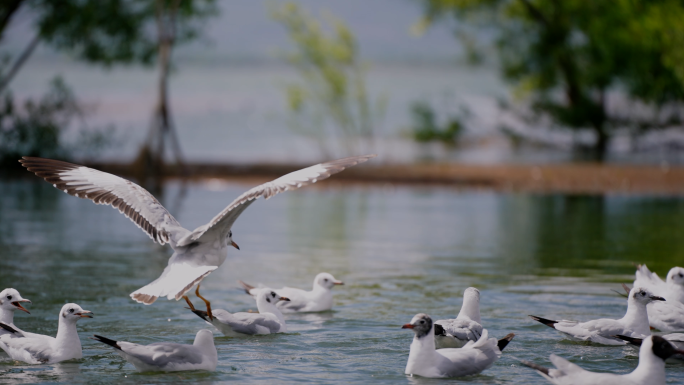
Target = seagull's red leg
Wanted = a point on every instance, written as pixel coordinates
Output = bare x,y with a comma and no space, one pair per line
211,318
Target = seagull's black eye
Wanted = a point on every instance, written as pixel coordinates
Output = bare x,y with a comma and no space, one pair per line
230,234
71,310
422,322
326,280
681,275
9,297
273,294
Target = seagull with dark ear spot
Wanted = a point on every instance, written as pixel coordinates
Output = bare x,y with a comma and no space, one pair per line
47,350
426,361
318,299
269,320
602,331
10,302
668,315
653,352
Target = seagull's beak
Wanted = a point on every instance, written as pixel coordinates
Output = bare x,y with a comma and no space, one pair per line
284,299
86,314
18,305
338,282
407,326
656,298
235,245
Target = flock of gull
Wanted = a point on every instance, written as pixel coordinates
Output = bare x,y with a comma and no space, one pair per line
442,348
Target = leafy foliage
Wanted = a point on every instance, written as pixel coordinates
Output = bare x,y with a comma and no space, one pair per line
427,129
332,100
569,57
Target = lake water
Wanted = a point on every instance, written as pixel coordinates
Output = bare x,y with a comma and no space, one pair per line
400,251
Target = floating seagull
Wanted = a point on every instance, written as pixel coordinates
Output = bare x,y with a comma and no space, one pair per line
196,253
318,299
47,350
467,326
269,319
672,289
651,369
473,358
602,331
167,356
664,315
10,301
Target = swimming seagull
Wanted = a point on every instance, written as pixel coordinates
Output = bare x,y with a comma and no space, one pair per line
602,331
196,253
651,369
473,358
467,326
318,299
10,301
47,350
672,289
269,319
676,339
167,356
664,315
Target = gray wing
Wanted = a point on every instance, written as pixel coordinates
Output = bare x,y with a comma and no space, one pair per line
161,354
39,349
463,329
133,201
247,323
294,180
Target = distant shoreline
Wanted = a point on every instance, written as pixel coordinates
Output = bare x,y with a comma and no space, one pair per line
584,178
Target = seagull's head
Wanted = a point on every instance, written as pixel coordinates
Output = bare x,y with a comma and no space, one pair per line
471,293
643,295
204,337
230,241
72,312
268,296
326,281
421,325
659,346
676,276
11,300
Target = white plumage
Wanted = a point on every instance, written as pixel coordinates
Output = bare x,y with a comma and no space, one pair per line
651,369
167,356
467,326
196,253
602,331
318,299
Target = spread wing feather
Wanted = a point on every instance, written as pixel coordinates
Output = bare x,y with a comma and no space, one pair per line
222,222
102,188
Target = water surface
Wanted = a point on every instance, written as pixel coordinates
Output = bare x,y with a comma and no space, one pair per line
400,251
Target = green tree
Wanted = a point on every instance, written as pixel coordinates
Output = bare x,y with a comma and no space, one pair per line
101,32
570,57
332,101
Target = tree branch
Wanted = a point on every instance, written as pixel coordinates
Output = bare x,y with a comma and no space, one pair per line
5,80
9,9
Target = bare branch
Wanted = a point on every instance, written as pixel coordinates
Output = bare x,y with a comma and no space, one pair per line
5,80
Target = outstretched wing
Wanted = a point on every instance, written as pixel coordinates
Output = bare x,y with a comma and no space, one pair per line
294,180
133,201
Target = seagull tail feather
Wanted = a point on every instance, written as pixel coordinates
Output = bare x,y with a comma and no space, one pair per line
202,314
535,367
502,343
545,321
246,286
105,340
8,328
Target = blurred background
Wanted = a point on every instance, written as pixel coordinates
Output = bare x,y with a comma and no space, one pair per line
532,149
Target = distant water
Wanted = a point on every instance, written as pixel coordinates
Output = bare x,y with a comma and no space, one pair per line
400,251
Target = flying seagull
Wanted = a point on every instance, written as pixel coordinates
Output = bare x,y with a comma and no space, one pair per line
196,253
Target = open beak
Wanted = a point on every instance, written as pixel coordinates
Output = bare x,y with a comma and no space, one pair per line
235,245
407,326
86,314
656,298
18,305
338,282
284,299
